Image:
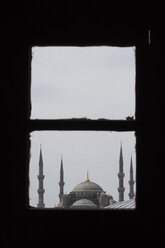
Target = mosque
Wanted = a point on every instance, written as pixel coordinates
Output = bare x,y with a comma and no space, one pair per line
87,194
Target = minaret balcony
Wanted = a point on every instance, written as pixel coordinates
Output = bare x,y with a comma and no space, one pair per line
121,189
131,182
121,174
41,177
61,183
131,195
41,191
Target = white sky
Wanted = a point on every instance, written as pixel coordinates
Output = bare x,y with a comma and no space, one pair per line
93,82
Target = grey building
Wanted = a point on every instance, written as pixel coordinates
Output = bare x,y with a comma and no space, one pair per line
87,194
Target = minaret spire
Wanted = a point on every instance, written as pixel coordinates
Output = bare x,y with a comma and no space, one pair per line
87,179
121,175
131,182
41,185
61,183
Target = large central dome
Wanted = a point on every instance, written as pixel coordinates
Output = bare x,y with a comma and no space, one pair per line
88,186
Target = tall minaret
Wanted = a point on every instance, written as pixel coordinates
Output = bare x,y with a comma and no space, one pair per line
61,183
41,179
121,177
131,182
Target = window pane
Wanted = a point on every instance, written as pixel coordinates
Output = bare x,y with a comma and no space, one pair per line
95,152
83,82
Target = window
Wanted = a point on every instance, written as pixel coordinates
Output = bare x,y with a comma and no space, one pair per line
82,90
83,25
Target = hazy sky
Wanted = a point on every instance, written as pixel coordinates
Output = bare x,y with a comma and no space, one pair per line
93,82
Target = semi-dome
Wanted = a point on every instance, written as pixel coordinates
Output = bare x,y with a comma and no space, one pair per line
87,186
83,203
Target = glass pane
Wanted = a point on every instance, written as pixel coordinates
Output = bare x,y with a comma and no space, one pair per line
83,82
90,163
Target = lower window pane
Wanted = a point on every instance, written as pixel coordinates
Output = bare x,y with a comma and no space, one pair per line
82,170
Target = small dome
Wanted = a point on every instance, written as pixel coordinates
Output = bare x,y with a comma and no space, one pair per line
88,186
83,203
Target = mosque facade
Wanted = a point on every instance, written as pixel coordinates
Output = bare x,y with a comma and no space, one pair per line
87,194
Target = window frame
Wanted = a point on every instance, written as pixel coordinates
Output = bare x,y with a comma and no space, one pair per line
81,124
117,24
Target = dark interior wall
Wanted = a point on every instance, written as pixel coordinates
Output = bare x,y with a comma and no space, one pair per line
83,24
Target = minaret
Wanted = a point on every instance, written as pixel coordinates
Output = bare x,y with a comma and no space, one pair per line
131,182
121,188
61,183
41,179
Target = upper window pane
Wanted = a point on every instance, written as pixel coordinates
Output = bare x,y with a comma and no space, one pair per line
83,82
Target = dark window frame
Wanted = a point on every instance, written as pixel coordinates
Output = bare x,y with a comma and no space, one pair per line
76,23
23,126
78,124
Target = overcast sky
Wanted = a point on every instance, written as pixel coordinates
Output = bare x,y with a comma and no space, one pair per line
92,82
